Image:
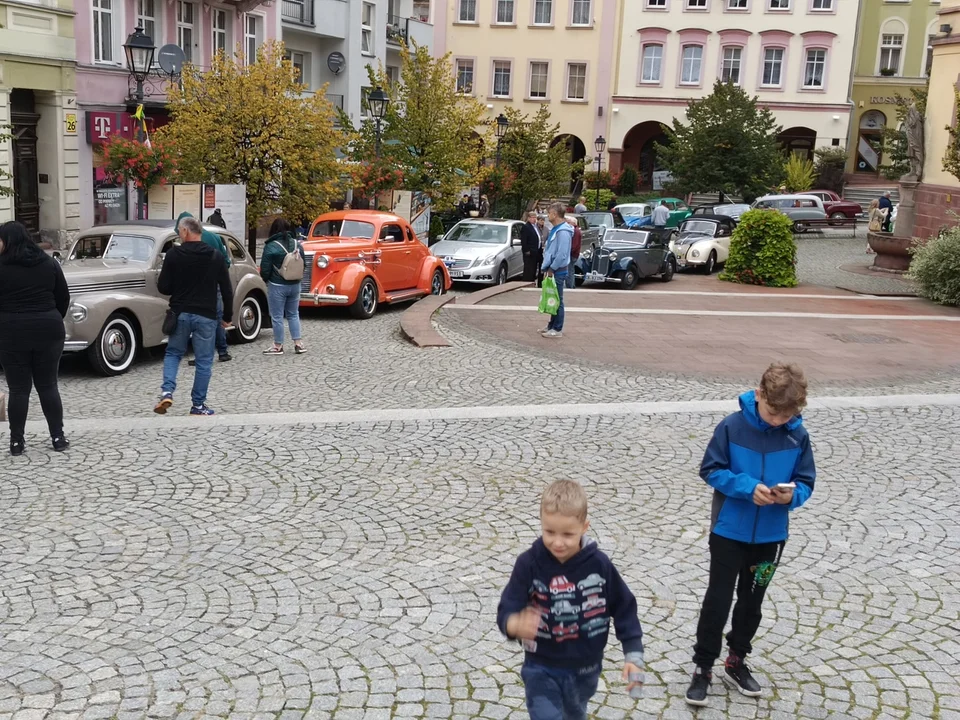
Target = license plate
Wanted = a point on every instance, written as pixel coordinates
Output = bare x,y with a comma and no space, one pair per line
456,273
595,277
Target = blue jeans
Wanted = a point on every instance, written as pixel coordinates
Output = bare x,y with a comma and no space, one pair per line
201,331
221,333
284,301
556,321
556,693
571,276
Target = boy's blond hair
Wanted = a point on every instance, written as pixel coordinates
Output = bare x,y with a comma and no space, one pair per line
784,388
564,497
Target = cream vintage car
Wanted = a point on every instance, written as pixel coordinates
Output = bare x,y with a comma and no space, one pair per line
115,308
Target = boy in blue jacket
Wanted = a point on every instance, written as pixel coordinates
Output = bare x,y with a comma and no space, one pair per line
559,602
760,465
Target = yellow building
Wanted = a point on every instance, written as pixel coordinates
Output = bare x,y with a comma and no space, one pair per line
37,98
528,53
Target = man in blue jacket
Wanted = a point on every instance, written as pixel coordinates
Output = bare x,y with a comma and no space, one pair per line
556,262
760,465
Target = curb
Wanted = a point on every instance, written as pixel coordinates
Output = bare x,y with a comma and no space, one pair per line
416,323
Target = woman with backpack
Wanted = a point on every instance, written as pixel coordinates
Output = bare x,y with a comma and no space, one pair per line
281,268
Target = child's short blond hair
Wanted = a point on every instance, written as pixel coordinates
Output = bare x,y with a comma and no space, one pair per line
784,388
564,497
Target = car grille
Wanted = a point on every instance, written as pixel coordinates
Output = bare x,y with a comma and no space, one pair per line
306,285
460,264
80,288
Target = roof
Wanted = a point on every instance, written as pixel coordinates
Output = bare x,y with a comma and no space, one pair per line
145,226
788,196
371,216
723,219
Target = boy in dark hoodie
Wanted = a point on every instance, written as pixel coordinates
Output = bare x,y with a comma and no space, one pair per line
559,602
760,464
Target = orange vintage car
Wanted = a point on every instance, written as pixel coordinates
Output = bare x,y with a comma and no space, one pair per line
361,258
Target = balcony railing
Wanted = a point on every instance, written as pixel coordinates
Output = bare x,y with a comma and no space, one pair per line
398,29
298,11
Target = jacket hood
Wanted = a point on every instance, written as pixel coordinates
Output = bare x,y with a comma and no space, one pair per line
283,238
748,406
588,549
196,251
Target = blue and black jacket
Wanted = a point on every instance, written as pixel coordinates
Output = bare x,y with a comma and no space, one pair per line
744,452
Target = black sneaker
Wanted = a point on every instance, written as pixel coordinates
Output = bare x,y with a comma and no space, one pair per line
16,447
738,675
699,684
60,443
192,363
226,357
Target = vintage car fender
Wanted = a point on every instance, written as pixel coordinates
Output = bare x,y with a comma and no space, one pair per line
430,265
147,313
351,277
252,283
703,247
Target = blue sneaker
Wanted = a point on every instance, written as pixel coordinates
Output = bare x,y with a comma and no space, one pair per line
201,410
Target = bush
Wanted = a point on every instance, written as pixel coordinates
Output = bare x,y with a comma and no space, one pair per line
799,174
600,179
829,164
627,181
762,251
936,267
591,196
436,228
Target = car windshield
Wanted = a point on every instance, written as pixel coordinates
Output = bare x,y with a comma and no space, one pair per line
634,210
731,210
632,236
702,227
343,228
118,246
598,219
478,233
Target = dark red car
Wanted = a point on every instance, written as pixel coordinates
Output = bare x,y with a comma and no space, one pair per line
835,206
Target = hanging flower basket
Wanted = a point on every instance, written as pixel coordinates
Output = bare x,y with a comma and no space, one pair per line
143,164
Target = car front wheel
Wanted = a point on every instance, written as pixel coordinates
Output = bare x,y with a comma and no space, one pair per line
502,274
436,283
249,322
367,300
115,348
711,263
669,270
628,278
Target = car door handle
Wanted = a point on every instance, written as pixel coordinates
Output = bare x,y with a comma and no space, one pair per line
408,252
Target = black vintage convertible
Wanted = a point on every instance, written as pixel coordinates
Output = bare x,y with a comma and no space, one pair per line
623,256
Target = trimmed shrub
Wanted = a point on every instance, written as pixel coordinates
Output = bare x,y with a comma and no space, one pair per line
591,196
436,228
627,181
936,267
762,251
828,166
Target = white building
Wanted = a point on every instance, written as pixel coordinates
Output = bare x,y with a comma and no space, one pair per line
790,53
333,42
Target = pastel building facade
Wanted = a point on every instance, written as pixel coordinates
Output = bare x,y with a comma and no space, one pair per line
106,91
528,53
794,55
38,99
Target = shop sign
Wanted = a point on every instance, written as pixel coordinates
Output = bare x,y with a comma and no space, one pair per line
877,100
101,126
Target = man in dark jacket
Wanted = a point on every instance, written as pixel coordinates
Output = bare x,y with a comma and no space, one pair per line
887,204
216,242
216,218
530,246
192,275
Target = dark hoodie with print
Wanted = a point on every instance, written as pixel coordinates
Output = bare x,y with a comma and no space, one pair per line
577,600
191,274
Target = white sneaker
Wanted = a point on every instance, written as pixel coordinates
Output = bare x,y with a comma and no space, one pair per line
543,331
553,334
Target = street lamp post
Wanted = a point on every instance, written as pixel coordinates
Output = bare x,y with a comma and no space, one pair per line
377,101
502,125
139,50
599,144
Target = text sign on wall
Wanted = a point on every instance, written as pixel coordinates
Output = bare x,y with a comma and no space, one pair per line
101,126
883,101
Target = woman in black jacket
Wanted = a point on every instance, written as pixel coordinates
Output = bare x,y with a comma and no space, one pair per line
33,302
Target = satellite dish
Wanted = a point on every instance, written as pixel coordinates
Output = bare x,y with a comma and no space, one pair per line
335,62
170,58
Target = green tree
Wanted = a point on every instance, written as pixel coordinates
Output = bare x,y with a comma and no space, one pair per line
727,143
5,177
829,164
249,124
540,170
896,164
428,128
799,174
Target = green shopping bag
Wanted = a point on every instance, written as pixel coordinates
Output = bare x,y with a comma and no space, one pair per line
549,296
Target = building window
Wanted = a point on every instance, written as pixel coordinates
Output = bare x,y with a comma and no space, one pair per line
779,4
737,4
147,17
252,37
103,31
220,42
730,66
186,17
542,12
501,78
576,81
367,16
823,4
393,75
691,65
696,4
581,12
772,67
538,79
891,47
652,63
813,68
505,12
298,60
656,3
468,11
465,76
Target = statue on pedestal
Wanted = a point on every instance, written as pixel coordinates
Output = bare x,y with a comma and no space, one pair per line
913,128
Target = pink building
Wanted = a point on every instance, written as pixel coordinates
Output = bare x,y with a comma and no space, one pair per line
106,91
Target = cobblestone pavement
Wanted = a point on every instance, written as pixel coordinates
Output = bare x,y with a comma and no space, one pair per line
353,571
819,260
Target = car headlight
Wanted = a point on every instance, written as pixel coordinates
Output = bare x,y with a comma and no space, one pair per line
695,253
586,254
77,312
322,261
489,260
613,257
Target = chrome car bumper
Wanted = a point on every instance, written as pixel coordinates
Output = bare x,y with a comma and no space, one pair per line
75,345
317,298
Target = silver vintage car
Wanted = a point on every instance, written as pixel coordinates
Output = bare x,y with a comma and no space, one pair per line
115,308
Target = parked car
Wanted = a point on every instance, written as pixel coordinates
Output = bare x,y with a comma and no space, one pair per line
796,207
733,210
679,211
835,206
362,258
703,242
623,256
115,307
633,213
604,219
588,233
482,251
